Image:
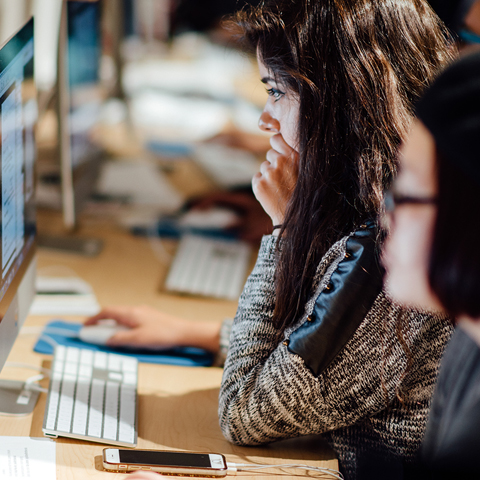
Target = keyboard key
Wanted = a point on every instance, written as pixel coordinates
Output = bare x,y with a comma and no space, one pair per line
73,354
65,408
60,352
95,419
85,371
100,360
117,377
86,357
111,411
70,368
130,364
80,414
115,363
126,432
53,400
130,378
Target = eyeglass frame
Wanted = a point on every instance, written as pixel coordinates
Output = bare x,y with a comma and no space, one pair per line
392,200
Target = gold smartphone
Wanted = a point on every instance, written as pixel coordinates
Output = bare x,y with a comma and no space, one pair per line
169,463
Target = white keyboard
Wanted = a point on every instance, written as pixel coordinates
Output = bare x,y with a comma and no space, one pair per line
209,266
92,396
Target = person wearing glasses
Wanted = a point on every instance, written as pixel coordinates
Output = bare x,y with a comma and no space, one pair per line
432,256
315,346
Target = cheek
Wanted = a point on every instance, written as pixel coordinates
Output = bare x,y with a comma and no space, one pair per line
290,132
406,258
289,126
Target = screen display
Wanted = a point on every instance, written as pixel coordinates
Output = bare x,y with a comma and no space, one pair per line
83,57
18,115
169,459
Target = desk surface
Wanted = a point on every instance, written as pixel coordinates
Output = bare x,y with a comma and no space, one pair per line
177,405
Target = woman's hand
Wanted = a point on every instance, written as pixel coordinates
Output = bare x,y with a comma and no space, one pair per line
151,328
274,184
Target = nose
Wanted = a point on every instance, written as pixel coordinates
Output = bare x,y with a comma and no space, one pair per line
268,124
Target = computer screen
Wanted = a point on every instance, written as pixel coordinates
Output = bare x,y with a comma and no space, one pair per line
18,115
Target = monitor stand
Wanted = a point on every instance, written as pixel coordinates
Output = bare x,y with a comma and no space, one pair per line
16,398
71,244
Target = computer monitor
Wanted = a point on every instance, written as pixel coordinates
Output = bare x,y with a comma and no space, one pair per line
80,99
18,114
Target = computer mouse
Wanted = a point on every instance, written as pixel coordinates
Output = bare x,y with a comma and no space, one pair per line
100,333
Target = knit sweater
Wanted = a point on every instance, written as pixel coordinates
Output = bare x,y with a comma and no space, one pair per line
268,393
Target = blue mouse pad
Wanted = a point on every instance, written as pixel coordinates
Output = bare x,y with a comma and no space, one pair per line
182,356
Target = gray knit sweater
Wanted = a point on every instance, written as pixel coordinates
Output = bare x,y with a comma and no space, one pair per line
268,393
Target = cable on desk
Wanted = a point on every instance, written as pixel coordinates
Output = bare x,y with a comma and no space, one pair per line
43,370
30,383
156,244
233,468
49,340
64,332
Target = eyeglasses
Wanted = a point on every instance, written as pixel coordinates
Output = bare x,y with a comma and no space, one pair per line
469,37
393,199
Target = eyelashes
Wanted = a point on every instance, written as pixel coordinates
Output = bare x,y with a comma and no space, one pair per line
275,93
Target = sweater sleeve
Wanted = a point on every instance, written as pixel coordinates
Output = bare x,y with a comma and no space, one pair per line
268,392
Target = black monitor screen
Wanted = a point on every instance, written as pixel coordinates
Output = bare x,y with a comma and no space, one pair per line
18,114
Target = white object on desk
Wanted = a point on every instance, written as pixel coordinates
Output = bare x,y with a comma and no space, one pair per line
141,182
209,266
64,296
92,396
26,457
179,118
213,218
229,167
100,333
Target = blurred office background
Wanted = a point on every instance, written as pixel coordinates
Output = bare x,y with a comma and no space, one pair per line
173,89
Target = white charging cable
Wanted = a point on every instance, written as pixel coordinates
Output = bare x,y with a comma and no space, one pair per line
45,333
233,468
30,383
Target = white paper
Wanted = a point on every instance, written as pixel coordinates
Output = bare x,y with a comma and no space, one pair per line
25,457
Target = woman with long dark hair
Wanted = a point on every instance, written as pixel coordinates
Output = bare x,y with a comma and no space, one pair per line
316,347
434,212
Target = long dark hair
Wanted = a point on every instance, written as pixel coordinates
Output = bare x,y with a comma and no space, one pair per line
454,271
357,66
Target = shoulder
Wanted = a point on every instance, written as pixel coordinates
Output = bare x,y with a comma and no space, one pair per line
350,278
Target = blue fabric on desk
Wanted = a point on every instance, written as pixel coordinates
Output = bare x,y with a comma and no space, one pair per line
182,356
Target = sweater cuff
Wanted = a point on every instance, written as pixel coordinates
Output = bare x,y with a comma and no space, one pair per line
225,331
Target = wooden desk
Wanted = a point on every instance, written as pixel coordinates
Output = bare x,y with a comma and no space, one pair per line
177,405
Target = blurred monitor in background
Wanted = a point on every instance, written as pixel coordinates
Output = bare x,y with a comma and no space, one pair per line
79,96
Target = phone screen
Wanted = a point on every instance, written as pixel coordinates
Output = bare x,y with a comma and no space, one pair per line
171,459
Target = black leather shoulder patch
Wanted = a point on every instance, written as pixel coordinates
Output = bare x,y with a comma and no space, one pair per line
342,306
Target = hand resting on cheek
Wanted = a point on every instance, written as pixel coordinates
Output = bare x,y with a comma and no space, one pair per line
273,185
